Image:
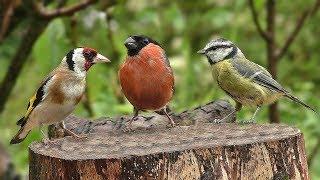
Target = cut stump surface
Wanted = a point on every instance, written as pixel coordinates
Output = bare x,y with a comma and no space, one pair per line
200,151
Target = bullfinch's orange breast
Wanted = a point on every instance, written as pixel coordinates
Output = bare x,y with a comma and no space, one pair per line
147,79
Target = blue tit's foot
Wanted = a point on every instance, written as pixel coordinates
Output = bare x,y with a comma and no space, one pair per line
225,118
222,120
251,121
218,121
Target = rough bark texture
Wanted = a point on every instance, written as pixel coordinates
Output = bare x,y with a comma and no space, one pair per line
201,150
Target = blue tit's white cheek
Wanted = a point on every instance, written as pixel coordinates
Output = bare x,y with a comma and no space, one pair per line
221,53
211,55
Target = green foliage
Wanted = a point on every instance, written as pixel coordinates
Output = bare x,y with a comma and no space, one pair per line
182,28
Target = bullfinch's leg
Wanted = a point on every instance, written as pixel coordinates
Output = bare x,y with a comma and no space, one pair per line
129,125
237,108
164,111
170,119
68,131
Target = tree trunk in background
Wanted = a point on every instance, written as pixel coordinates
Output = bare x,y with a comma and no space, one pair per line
38,19
34,30
274,54
271,55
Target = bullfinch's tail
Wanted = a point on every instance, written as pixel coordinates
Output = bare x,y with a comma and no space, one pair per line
22,133
297,100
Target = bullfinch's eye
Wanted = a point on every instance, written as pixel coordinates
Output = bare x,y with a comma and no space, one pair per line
145,41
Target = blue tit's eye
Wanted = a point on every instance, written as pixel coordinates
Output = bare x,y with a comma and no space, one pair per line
213,48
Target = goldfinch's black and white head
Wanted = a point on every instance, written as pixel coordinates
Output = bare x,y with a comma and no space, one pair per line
220,49
81,59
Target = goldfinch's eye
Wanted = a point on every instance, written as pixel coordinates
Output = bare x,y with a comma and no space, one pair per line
89,55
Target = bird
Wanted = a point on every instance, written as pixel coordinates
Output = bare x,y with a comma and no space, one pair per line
59,93
246,82
146,77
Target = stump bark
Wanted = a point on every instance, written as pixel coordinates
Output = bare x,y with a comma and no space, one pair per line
201,150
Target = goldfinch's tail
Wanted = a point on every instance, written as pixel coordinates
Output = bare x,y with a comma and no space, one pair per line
22,133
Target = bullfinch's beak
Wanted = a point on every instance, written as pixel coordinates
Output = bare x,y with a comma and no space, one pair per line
130,43
202,51
100,59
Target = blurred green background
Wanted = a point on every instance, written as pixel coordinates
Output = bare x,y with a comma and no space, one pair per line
182,27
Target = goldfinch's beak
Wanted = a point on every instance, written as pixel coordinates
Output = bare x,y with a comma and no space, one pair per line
100,59
202,51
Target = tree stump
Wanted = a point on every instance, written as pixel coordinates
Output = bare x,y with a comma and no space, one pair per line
153,151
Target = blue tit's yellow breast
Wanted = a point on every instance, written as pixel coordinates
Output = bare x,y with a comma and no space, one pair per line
240,88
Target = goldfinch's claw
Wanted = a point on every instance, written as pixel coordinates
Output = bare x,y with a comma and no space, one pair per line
70,133
46,141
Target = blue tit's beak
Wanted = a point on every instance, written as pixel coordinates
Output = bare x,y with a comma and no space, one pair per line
202,51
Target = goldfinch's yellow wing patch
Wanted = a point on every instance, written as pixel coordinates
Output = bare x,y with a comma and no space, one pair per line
30,105
37,98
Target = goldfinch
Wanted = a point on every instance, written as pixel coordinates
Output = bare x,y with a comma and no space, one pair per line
59,92
244,81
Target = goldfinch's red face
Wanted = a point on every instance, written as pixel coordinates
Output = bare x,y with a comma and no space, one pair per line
81,59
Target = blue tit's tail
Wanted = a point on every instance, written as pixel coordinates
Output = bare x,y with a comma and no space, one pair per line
297,100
